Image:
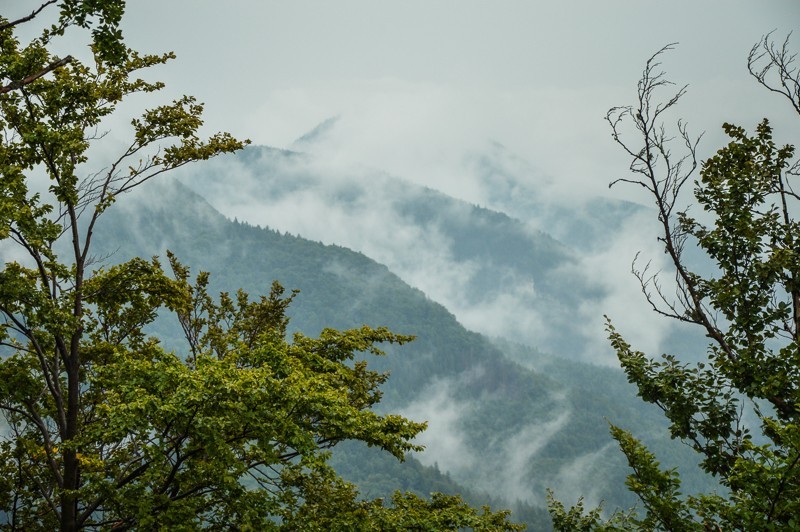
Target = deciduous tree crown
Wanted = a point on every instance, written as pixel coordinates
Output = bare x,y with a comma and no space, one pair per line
107,430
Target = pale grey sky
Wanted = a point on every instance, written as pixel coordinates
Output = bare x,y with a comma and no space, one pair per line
420,82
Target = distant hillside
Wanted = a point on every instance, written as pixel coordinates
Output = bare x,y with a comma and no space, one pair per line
511,184
495,425
497,275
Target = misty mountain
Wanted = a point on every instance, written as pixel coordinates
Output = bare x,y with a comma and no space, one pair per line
495,425
319,133
498,275
510,184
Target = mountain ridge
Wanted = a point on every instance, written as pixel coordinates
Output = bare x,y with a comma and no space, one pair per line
487,413
477,262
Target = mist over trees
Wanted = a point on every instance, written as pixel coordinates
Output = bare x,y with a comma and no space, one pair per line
106,429
738,409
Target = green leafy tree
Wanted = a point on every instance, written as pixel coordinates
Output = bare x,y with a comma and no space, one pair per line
739,409
104,428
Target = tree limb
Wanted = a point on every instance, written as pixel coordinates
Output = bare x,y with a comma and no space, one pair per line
14,85
28,18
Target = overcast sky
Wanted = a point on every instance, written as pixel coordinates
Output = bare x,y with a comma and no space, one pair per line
418,83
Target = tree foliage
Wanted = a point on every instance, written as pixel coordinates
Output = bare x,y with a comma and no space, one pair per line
739,409
106,429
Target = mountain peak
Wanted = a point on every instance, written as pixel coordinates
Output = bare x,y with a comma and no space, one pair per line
316,134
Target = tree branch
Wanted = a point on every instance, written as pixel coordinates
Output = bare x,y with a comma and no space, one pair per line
14,85
28,18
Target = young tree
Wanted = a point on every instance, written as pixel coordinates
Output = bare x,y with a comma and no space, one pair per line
749,308
107,430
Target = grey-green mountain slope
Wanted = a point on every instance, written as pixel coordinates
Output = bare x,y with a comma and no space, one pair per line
498,275
495,426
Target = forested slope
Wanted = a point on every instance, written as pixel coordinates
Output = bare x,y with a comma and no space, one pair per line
496,426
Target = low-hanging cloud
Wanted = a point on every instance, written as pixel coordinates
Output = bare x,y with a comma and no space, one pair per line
363,208
425,131
376,214
609,268
445,441
571,478
501,465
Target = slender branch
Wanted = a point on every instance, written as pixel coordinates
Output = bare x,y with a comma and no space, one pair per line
27,18
35,255
50,374
15,85
665,190
782,485
31,415
782,61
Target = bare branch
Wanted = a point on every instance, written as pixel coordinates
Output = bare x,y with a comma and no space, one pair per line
28,18
658,170
767,58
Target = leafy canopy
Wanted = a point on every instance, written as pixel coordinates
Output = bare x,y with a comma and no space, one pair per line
104,428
